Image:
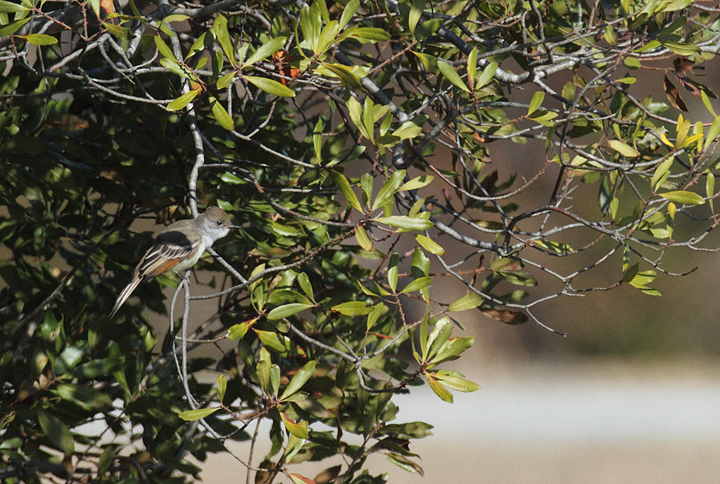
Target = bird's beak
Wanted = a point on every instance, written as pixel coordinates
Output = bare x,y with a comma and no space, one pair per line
234,227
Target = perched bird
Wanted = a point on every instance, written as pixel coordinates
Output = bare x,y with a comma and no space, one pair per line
178,247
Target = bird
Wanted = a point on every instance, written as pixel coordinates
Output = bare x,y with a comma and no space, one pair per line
178,247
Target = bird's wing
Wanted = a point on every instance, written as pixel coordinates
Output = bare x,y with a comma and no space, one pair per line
170,248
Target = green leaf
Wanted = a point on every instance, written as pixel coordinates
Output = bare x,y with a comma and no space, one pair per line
439,390
405,463
11,28
472,67
300,378
682,49
345,74
118,31
388,189
468,301
536,102
623,148
10,7
304,283
681,196
416,10
39,39
225,80
221,115
97,368
555,247
222,386
416,183
278,343
373,315
363,239
705,100
713,132
451,350
405,222
454,381
417,284
183,100
370,34
392,273
177,17
270,86
193,415
710,189
661,173
299,430
451,75
163,48
352,308
344,186
287,310
420,265
487,74
265,51
238,331
355,111
408,130
173,66
57,432
348,13
83,396
221,33
430,245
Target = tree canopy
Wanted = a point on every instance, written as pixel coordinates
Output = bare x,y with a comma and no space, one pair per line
359,144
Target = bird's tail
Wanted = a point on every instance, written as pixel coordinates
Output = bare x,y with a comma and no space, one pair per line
125,294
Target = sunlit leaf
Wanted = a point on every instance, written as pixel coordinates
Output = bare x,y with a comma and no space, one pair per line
193,415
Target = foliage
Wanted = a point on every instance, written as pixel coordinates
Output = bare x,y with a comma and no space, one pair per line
353,140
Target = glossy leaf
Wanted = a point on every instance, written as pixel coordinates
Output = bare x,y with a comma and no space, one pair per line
270,86
344,186
200,413
300,378
680,196
183,100
430,245
468,301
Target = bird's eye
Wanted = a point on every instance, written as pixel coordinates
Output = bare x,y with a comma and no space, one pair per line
219,222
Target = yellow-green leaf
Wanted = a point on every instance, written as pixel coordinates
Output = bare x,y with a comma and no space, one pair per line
682,196
451,75
713,132
183,100
344,186
623,148
193,415
417,284
352,308
405,222
39,39
430,245
439,390
221,115
468,301
222,386
363,239
298,429
270,86
536,102
415,183
266,50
